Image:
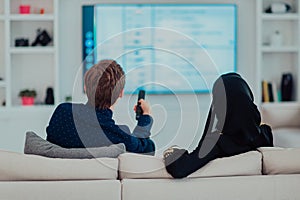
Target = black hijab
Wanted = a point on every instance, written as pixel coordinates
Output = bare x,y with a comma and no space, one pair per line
234,121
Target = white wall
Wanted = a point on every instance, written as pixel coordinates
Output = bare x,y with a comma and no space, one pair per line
70,37
180,125
178,120
16,122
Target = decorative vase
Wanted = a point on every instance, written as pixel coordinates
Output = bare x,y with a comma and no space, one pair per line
24,9
287,87
27,101
49,100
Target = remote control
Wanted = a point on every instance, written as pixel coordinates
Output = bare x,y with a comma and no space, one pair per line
139,110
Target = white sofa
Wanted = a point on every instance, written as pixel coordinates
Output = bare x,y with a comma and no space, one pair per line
269,174
30,177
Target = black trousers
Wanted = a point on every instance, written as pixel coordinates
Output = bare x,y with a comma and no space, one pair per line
181,163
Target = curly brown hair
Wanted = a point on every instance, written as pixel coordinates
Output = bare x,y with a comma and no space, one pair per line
104,83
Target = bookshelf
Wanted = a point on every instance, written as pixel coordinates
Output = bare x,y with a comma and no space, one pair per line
17,62
32,17
2,54
275,58
32,50
2,9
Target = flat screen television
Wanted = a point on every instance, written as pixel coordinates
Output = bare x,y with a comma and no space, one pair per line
163,48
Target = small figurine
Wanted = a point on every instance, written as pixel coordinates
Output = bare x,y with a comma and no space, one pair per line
42,38
49,96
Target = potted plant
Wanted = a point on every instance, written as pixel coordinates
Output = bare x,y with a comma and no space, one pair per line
27,97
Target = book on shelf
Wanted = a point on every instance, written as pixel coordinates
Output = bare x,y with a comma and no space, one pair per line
275,91
269,92
265,92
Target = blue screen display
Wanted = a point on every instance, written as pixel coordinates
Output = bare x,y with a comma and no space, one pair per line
165,48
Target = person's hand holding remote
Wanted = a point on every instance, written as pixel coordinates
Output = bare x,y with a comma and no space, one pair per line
142,107
145,107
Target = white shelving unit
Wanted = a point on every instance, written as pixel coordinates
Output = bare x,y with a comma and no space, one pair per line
32,17
276,17
27,67
274,60
2,8
285,49
2,54
32,50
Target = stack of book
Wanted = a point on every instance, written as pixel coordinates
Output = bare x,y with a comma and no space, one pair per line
269,92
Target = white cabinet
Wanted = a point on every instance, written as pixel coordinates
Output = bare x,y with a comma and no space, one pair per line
29,67
277,48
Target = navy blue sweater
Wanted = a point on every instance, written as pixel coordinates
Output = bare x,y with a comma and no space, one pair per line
82,126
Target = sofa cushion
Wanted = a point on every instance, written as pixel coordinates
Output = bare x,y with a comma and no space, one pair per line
280,160
245,164
141,166
279,187
36,145
21,167
132,165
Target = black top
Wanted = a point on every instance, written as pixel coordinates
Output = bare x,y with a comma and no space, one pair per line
81,125
233,126
236,117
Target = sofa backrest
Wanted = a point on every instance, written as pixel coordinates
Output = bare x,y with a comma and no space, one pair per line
280,160
140,166
22,167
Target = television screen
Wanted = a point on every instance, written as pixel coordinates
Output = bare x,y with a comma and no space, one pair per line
163,48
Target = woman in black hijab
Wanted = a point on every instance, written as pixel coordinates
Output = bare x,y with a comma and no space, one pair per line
233,126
